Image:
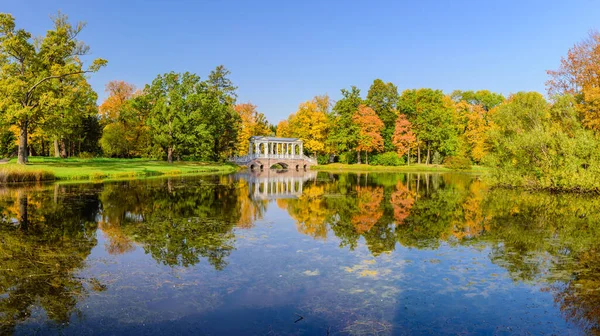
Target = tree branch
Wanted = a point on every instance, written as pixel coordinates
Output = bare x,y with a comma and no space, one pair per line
30,91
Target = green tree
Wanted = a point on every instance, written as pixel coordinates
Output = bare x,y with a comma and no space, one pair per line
485,98
30,68
433,120
538,145
175,117
383,99
64,116
343,134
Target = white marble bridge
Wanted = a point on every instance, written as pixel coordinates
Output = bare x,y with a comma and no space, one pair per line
265,152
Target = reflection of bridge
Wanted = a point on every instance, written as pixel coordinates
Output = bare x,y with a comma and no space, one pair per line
272,184
267,151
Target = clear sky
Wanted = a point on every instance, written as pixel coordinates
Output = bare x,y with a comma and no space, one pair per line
282,53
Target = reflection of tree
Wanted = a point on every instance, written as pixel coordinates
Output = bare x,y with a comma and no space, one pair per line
579,298
176,221
369,210
309,211
553,238
402,201
45,238
250,210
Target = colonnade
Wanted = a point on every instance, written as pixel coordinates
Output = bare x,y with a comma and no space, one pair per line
276,148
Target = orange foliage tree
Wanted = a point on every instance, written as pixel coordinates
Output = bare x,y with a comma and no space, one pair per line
579,75
119,92
403,137
370,127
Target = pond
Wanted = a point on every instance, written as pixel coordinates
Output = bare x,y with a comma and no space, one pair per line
300,253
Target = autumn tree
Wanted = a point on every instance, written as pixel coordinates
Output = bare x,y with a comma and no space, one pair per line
31,67
123,115
370,127
579,75
310,123
283,129
403,137
252,123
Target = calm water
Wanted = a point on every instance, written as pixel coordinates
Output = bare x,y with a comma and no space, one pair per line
298,253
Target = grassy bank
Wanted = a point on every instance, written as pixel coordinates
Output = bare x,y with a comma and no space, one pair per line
411,168
47,169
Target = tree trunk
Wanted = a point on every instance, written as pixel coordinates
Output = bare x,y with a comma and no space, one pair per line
63,148
366,157
358,157
170,154
408,157
23,154
419,153
56,148
428,151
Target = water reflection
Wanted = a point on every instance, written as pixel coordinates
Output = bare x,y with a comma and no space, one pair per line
545,242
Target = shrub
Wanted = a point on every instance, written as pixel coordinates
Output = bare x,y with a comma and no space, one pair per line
113,141
347,158
97,176
86,155
323,159
386,159
457,163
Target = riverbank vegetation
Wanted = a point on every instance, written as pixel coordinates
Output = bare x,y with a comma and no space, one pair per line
339,167
48,108
526,139
48,169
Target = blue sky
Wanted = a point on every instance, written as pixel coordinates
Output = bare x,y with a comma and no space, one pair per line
282,53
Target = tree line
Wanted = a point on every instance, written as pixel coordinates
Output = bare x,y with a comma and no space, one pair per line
48,108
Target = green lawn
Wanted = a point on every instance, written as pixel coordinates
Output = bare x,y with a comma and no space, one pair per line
411,168
104,168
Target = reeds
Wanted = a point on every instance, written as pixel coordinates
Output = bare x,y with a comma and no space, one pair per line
25,175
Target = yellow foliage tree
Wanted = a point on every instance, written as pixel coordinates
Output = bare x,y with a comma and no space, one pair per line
253,123
310,124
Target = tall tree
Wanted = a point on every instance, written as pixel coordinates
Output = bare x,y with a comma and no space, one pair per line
30,68
579,75
433,118
221,119
310,123
343,133
64,117
383,99
175,116
403,137
370,126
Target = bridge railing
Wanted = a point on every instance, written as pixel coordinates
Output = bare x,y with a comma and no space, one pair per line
247,158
